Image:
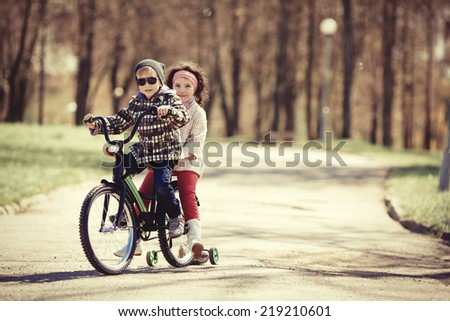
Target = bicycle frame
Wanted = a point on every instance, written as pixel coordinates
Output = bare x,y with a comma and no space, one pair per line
136,194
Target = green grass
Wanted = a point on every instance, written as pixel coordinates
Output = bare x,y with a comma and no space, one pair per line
416,190
413,184
38,159
393,156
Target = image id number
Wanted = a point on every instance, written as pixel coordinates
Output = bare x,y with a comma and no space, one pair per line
295,311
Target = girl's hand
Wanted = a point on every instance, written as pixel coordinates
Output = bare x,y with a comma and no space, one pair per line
163,110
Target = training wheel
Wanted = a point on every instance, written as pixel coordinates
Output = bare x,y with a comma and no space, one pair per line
152,258
213,255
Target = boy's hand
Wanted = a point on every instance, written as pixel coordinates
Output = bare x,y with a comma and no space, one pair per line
87,119
163,111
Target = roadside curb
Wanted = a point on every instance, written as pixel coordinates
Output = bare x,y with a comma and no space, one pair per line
23,205
394,211
26,203
17,208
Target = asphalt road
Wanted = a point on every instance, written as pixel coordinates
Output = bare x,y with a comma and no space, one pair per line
284,233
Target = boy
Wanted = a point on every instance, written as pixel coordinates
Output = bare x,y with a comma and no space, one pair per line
159,143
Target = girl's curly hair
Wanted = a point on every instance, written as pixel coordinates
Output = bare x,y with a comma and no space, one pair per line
202,93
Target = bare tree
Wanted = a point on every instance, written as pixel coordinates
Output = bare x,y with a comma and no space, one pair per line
261,55
407,79
286,67
118,52
218,73
86,12
18,70
348,56
310,122
42,78
239,33
368,52
389,17
430,29
280,65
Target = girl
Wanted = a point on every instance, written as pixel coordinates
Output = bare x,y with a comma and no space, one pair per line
191,86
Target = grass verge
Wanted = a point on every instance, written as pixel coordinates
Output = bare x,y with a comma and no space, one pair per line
413,184
37,159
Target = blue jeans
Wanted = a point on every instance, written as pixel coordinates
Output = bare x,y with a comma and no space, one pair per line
162,172
161,182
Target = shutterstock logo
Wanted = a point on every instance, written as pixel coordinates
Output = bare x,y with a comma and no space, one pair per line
268,153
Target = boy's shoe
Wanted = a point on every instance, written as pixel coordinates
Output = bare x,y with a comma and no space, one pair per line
137,251
176,226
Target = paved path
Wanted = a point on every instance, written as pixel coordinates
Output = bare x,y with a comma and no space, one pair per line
283,233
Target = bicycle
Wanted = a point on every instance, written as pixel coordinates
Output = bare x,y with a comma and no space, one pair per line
109,220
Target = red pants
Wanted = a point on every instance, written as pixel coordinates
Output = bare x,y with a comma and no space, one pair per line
187,185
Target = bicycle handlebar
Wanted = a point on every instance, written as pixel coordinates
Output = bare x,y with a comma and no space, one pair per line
151,111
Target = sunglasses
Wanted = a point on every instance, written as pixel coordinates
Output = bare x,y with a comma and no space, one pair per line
150,80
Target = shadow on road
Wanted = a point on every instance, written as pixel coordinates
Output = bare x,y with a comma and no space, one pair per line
85,274
49,277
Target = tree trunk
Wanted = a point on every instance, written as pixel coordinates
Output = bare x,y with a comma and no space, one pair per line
310,123
259,108
281,66
42,79
429,77
295,8
348,53
258,81
218,77
389,18
374,117
20,74
117,57
15,108
239,28
236,68
407,81
86,24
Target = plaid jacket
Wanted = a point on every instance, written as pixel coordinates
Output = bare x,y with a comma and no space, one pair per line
159,139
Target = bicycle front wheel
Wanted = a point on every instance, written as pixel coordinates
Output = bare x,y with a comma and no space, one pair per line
108,246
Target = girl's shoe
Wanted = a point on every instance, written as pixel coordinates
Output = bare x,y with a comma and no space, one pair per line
197,250
194,236
201,260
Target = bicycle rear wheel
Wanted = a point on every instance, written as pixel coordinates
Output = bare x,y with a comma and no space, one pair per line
176,251
99,238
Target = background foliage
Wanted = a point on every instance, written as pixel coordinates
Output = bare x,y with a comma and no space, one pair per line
264,60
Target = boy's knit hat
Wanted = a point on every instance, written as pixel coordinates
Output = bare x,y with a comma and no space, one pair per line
156,65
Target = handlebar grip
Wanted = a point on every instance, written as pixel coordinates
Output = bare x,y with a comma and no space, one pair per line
88,121
105,127
169,112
